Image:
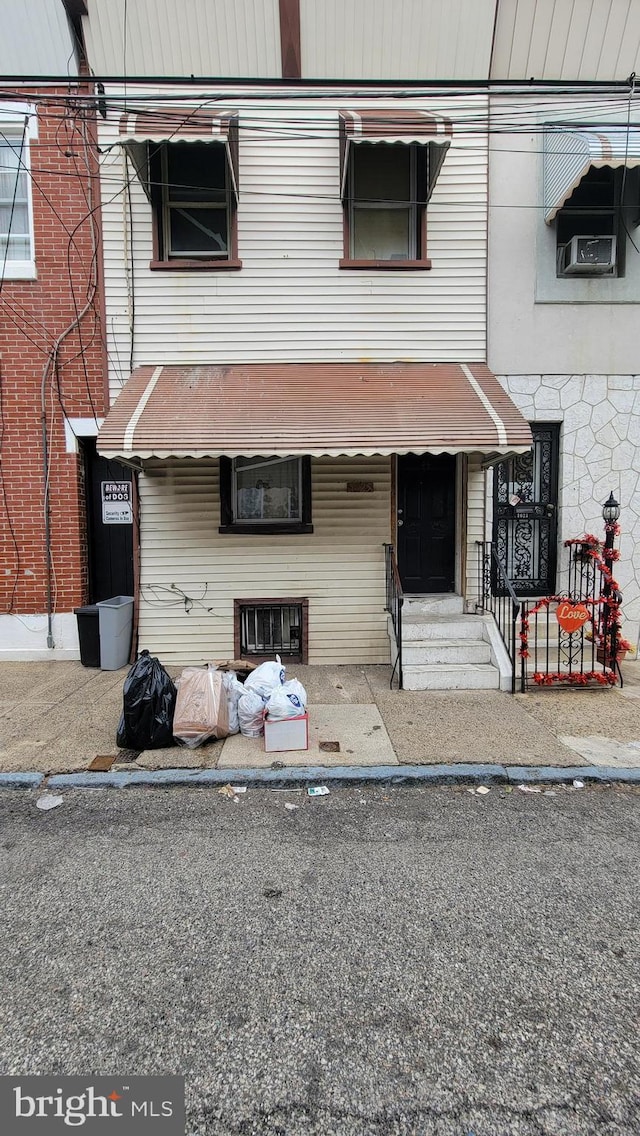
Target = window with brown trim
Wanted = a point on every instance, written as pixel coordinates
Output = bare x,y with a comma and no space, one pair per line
385,206
194,207
265,495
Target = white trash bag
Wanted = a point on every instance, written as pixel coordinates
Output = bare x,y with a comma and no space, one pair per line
266,678
287,701
234,691
251,714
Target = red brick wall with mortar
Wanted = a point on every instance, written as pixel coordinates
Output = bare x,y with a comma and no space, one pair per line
33,314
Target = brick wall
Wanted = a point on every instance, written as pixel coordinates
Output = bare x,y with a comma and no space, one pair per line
33,314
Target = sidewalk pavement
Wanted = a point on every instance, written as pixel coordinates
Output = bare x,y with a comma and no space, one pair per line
57,717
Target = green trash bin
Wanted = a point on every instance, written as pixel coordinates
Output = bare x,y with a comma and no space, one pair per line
116,624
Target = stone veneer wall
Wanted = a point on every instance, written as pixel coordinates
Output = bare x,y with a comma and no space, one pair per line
599,452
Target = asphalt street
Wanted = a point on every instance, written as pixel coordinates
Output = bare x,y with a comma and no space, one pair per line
378,961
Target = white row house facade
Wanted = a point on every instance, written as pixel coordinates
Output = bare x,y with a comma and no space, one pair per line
349,316
310,378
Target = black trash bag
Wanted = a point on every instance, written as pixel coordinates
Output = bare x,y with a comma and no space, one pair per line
149,701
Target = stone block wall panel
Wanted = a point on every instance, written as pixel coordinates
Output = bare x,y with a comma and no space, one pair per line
599,453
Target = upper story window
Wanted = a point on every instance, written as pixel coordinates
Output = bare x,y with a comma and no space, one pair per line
16,218
390,162
194,205
589,235
187,161
385,220
592,197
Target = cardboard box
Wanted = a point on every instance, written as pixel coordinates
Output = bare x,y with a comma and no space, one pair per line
290,733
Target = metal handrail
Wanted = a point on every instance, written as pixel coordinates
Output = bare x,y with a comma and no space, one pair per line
499,598
394,601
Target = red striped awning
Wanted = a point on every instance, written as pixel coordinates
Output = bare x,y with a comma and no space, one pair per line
400,125
184,124
333,409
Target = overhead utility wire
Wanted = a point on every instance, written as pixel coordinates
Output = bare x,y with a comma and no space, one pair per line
125,100
213,99
487,120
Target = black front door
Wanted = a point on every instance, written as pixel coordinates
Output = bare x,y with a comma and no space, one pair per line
109,525
525,499
427,522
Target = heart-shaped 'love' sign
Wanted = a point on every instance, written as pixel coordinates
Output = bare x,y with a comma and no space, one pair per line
571,616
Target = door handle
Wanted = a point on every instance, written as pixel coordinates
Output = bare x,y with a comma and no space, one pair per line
400,522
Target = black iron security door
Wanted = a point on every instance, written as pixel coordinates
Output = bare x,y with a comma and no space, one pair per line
427,522
525,507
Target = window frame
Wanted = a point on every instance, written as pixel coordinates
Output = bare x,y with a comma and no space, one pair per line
279,601
228,521
417,207
158,155
21,132
587,214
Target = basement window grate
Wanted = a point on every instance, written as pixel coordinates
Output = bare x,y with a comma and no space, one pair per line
268,629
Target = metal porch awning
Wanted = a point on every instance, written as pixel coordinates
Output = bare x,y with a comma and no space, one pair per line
317,409
391,126
569,154
180,124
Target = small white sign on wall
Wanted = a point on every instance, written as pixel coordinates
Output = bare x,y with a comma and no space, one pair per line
117,506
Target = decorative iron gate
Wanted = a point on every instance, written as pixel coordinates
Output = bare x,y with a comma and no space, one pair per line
525,499
574,637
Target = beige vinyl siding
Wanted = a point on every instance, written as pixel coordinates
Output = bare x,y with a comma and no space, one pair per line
475,523
389,39
195,37
339,567
291,301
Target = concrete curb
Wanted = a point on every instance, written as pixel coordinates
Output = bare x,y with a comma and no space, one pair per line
21,780
296,776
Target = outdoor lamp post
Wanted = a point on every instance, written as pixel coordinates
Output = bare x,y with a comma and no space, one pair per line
610,629
610,514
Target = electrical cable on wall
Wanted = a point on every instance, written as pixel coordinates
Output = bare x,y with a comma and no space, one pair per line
170,595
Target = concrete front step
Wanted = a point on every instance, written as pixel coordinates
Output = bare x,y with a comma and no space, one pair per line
445,651
444,676
446,604
443,648
424,626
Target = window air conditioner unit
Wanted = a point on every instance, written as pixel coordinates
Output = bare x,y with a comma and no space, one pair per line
588,255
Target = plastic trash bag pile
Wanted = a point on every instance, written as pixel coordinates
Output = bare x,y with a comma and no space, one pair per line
203,704
267,692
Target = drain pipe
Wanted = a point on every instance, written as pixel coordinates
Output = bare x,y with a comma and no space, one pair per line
47,520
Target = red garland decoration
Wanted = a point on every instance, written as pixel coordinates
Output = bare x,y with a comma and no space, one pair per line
594,542
575,678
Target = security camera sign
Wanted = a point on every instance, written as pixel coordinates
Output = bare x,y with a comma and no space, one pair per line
116,503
